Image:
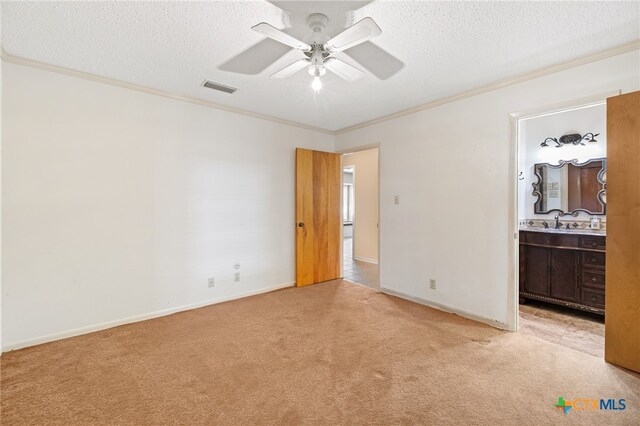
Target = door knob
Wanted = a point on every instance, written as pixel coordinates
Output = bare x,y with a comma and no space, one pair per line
300,224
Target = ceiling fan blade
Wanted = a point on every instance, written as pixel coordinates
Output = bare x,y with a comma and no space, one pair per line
257,58
291,69
343,69
377,60
359,32
284,38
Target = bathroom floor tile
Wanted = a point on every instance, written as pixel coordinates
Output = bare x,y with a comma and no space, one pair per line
564,326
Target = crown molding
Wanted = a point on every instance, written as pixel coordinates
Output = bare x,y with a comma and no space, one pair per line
7,57
628,47
635,45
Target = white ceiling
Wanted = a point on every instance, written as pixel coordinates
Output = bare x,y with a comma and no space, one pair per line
447,47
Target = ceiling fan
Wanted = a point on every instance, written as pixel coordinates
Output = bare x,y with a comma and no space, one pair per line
319,52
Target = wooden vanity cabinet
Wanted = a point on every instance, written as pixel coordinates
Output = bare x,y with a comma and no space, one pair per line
564,275
563,269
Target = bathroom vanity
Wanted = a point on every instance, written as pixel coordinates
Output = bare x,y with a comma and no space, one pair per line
563,262
564,267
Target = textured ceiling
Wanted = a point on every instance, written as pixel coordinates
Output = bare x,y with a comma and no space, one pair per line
446,47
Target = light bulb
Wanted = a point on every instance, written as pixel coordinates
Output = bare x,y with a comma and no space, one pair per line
316,84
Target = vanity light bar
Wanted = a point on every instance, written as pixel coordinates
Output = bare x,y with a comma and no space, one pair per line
574,139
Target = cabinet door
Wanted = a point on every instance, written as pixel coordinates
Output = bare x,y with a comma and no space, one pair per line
523,266
564,275
537,281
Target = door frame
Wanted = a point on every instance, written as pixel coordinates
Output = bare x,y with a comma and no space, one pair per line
353,150
353,222
513,305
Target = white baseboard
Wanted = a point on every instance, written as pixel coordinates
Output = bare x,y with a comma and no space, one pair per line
446,308
136,318
365,259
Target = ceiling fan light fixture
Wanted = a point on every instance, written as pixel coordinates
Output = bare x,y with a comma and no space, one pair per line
316,84
317,70
318,55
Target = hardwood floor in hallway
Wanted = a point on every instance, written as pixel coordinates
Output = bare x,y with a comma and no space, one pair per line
358,271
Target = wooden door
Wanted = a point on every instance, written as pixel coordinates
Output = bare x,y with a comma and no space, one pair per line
537,280
318,189
564,275
622,300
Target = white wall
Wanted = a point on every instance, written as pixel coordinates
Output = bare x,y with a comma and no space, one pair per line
535,130
1,132
119,204
454,169
365,238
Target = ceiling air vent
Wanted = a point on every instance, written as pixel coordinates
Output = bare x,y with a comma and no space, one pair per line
217,86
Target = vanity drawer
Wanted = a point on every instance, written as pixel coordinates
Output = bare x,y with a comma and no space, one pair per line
593,278
592,259
593,242
549,239
593,298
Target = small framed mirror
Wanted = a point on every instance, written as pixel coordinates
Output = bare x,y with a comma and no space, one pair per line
571,187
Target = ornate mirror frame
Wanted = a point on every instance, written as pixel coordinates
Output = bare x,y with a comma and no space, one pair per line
602,180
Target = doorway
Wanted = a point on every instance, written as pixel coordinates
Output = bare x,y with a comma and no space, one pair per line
360,217
562,225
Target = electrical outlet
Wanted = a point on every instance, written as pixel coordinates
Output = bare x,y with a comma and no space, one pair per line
432,284
236,276
211,282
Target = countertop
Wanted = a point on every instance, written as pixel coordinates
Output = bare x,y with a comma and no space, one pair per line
591,232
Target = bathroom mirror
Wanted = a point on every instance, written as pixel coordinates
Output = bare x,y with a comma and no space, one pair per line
571,187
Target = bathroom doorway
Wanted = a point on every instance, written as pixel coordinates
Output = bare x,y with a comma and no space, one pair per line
562,225
360,219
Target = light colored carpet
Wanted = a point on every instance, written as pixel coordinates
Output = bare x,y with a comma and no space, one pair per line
333,353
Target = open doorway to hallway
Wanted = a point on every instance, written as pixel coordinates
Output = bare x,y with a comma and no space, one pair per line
360,217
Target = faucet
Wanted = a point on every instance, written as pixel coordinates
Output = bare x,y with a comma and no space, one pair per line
557,222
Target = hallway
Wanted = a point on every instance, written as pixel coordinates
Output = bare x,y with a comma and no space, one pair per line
357,271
